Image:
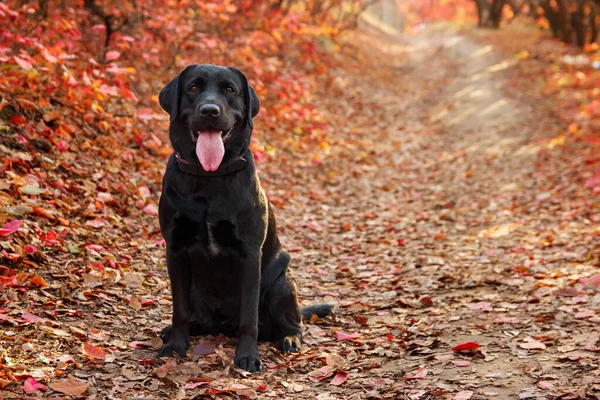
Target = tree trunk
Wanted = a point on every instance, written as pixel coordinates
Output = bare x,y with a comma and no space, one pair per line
564,22
496,13
483,12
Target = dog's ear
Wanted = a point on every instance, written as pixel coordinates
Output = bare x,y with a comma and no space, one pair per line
252,103
169,95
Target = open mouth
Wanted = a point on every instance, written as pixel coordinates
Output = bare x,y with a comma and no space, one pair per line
225,135
210,146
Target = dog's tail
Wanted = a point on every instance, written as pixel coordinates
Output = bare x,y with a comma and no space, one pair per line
320,310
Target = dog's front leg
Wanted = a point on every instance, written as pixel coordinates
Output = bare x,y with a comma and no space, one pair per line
178,264
246,353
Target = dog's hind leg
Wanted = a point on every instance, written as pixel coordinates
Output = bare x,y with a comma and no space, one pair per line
282,303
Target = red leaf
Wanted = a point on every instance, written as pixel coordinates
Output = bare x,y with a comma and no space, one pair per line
213,390
339,378
321,373
466,346
112,55
32,318
31,385
10,227
62,145
151,209
346,336
92,351
25,65
427,301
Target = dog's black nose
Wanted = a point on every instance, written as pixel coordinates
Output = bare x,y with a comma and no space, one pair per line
210,110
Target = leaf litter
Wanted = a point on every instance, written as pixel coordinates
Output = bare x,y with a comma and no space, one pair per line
427,230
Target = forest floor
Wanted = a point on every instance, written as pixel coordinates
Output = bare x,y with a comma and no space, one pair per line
448,225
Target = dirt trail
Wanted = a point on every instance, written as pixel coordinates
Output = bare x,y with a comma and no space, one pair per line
454,236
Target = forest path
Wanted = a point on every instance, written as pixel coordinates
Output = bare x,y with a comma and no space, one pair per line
455,226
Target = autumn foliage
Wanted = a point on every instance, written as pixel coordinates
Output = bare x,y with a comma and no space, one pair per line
79,113
77,69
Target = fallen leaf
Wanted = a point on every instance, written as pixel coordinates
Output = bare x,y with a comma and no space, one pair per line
39,281
461,363
25,65
135,303
95,223
339,378
321,373
32,318
92,351
112,55
591,282
73,387
164,369
418,374
151,209
482,305
204,348
545,384
585,314
31,385
346,336
532,344
468,346
463,395
507,320
10,227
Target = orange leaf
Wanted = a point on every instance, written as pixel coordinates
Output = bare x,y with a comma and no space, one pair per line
36,280
93,351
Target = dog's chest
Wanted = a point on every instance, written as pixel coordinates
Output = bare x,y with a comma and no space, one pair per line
222,237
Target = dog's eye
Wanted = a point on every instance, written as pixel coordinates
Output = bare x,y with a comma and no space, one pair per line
229,90
193,88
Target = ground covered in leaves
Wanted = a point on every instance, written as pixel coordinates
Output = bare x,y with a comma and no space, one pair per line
450,216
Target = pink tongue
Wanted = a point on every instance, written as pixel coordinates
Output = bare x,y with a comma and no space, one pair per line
210,149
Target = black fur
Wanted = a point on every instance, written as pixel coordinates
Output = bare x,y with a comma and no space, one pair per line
227,269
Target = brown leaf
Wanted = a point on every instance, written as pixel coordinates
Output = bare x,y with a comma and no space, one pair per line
135,302
532,344
164,369
73,387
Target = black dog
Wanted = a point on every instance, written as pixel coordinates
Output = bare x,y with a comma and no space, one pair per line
227,269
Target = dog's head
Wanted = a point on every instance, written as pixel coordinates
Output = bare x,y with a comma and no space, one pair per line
211,110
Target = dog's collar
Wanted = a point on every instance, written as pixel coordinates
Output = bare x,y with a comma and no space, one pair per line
196,169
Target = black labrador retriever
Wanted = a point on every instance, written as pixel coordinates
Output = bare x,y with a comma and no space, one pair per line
227,269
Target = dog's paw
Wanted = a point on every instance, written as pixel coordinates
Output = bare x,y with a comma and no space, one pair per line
248,361
179,347
165,334
290,344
